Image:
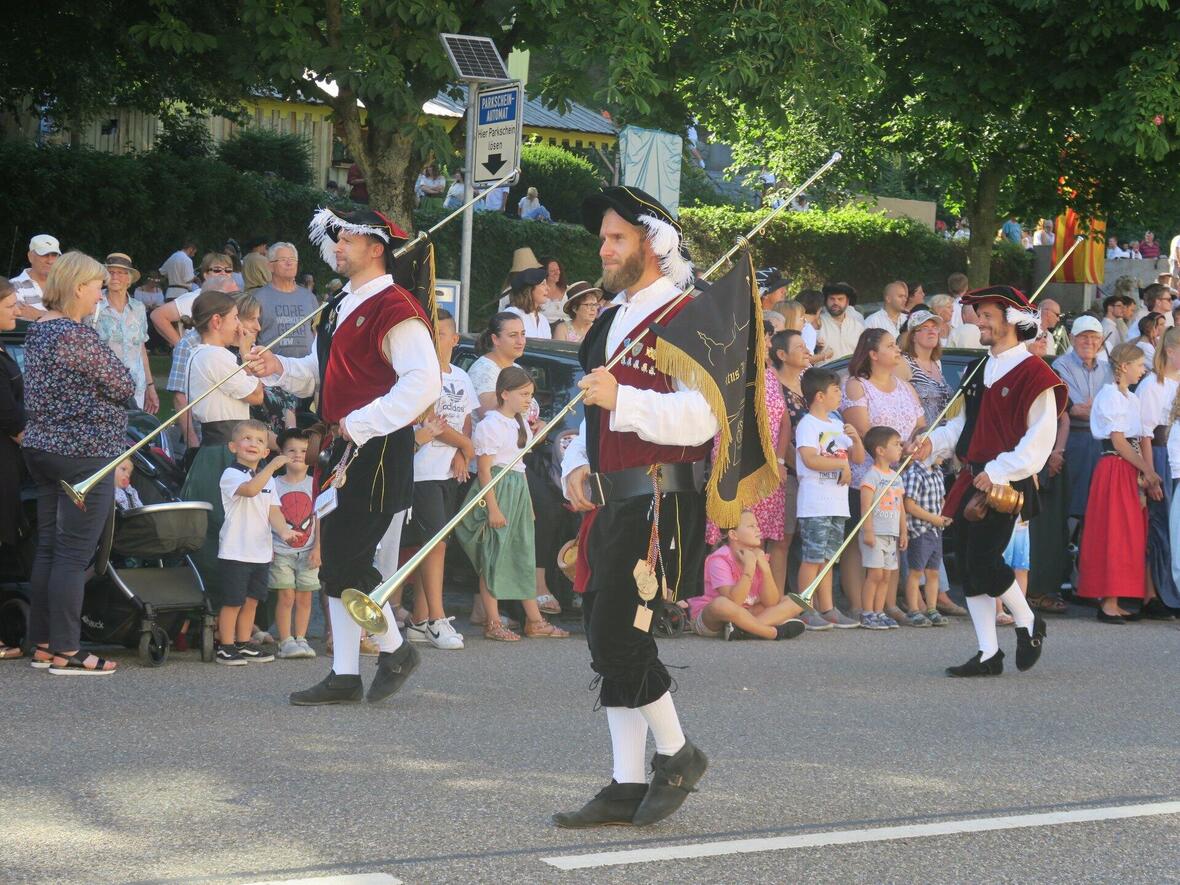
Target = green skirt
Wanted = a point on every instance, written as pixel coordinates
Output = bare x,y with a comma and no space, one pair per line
203,483
505,558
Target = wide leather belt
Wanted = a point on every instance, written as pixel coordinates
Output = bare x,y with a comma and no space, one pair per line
636,482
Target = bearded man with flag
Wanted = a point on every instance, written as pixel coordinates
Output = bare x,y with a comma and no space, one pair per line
377,371
636,470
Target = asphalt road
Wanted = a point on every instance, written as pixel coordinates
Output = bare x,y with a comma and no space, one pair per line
199,773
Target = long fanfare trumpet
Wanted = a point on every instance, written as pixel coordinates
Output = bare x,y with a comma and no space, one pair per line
77,492
365,609
803,600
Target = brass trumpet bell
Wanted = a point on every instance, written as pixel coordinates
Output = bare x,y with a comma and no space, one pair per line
364,611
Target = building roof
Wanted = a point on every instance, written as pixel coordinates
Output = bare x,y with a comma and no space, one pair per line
536,115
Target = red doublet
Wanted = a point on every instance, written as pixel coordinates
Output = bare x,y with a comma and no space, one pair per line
1003,418
357,371
619,451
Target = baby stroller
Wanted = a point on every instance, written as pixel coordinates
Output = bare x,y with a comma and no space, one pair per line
145,587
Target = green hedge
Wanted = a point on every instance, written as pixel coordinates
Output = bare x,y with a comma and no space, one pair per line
852,245
146,204
494,239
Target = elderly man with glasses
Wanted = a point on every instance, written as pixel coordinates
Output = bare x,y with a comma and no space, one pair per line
284,302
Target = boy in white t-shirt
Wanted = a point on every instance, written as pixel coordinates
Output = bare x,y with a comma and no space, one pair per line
883,534
295,571
441,462
823,443
244,548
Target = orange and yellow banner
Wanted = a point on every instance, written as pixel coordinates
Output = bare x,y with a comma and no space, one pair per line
1088,262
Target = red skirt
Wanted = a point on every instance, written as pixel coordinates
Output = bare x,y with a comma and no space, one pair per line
1113,558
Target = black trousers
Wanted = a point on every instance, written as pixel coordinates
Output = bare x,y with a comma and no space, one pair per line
627,659
67,538
349,536
981,547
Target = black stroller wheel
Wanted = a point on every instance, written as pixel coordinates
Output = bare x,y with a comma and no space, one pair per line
14,624
207,643
153,646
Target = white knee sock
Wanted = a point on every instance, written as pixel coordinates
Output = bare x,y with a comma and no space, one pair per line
983,618
391,639
665,724
628,740
385,559
1022,614
346,640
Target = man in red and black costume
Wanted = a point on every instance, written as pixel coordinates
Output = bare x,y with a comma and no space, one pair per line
377,371
641,427
1003,437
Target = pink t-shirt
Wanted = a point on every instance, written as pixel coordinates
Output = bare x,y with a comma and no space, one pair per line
722,570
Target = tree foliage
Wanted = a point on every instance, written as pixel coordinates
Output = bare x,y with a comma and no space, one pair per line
285,154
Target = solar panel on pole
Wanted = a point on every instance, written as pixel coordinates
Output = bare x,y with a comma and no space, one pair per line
475,59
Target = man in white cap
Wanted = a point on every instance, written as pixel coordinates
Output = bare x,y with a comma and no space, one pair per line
1084,375
43,251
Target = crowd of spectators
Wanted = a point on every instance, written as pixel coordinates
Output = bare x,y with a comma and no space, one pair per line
848,396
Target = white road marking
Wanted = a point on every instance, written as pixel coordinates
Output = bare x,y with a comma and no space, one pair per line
851,837
358,879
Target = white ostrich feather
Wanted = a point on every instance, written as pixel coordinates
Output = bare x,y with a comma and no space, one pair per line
665,243
325,222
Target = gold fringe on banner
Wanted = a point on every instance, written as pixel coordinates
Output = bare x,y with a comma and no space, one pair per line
671,360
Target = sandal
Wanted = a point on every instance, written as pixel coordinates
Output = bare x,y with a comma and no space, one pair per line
1051,603
498,632
1003,619
44,661
75,665
548,604
542,629
8,653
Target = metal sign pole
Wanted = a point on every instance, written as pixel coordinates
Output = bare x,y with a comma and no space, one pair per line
463,318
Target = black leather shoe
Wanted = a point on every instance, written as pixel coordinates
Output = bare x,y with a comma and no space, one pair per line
393,669
993,666
614,806
673,778
332,690
1029,642
1110,619
1154,610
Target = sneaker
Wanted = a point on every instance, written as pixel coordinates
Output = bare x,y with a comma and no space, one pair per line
917,619
889,623
289,648
937,619
305,647
228,654
253,654
443,635
868,620
813,620
838,619
417,632
790,629
733,634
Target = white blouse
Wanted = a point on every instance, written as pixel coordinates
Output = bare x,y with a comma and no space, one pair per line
208,365
1114,411
1155,401
535,324
497,435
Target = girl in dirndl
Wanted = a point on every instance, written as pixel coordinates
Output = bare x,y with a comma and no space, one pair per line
1112,563
215,317
498,537
1158,405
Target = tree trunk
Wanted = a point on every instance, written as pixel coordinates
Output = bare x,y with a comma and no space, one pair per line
981,213
390,176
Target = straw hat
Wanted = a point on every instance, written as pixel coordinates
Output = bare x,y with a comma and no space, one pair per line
576,294
526,269
123,260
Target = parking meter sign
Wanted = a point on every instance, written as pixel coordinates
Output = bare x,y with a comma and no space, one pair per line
498,127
